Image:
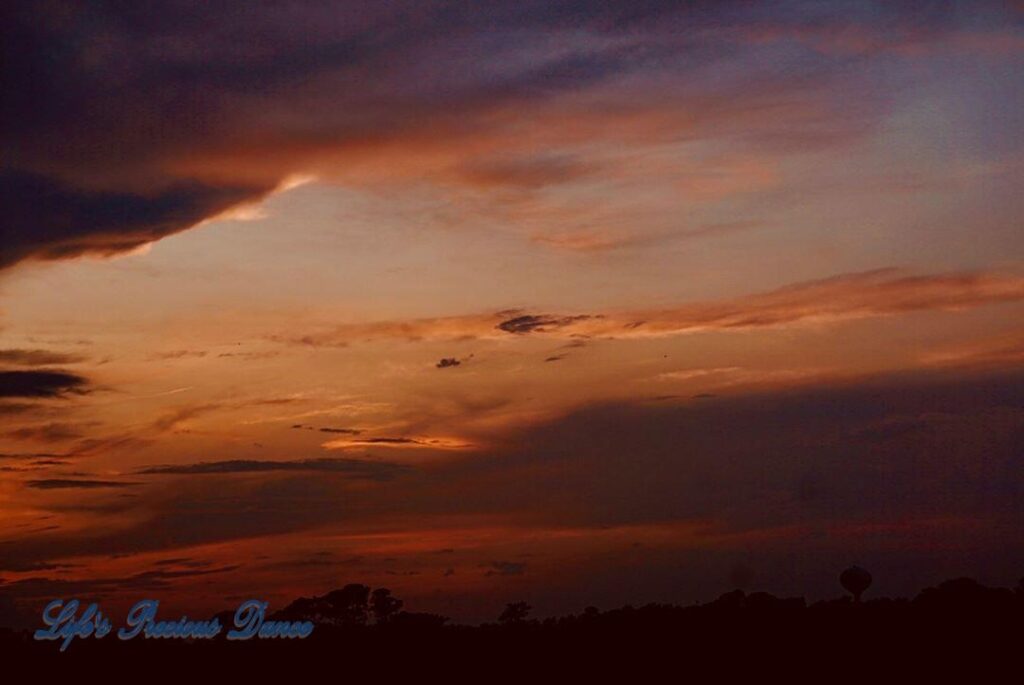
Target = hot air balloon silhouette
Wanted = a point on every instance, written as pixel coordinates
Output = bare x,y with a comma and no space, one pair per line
855,580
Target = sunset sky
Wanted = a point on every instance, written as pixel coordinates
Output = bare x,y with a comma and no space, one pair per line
569,302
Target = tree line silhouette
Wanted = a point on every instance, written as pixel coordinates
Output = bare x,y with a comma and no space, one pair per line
959,623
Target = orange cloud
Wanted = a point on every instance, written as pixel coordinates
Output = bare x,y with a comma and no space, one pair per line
418,442
869,294
1000,350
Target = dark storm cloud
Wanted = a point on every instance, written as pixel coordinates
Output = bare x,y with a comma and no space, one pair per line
40,383
448,362
127,122
45,219
37,357
356,468
343,431
108,96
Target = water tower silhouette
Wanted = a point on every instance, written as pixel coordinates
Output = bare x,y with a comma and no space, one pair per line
855,580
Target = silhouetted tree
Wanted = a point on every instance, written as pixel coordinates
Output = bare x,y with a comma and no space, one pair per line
963,595
347,607
418,620
383,605
516,612
350,604
958,617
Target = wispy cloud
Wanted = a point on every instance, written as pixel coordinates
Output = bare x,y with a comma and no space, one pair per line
356,468
869,294
159,579
76,484
49,432
33,357
435,443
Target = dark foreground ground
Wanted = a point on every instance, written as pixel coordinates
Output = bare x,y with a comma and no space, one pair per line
959,630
